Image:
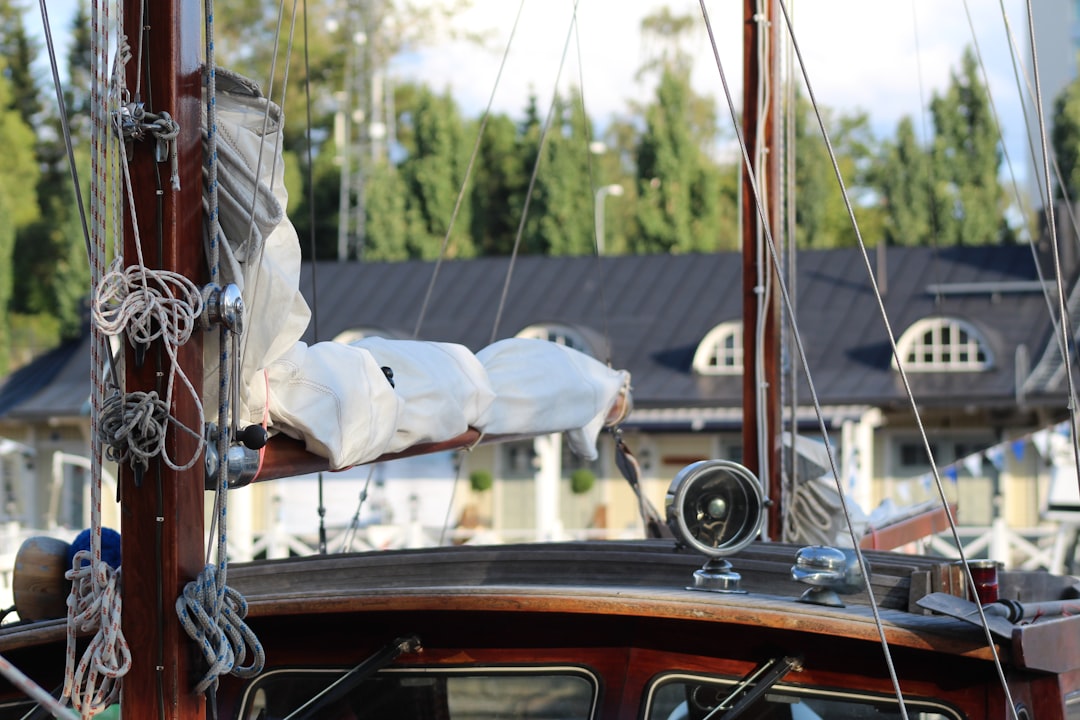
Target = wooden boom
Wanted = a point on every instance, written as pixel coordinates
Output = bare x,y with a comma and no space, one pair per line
285,457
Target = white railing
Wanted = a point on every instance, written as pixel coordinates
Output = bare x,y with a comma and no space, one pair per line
1037,548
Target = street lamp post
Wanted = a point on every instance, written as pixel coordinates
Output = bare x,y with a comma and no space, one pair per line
598,205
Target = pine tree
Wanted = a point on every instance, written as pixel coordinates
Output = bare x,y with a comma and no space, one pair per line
678,186
904,180
433,173
498,188
1065,138
970,203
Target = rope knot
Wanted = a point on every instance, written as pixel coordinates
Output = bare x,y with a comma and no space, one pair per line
213,615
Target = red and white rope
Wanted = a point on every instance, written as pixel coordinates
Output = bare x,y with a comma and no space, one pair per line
94,605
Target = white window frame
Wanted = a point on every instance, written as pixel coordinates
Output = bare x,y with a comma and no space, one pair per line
721,352
944,344
560,335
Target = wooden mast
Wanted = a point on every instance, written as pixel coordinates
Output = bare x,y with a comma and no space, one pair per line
759,63
162,515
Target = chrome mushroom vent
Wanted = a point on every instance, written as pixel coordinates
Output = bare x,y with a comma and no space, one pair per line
828,571
715,507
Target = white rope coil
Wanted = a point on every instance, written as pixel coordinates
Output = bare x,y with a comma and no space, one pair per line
94,606
147,305
220,632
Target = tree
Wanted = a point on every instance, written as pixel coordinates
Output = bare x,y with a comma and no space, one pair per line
433,173
52,274
19,52
821,215
903,178
970,204
680,203
499,182
561,213
18,201
1065,138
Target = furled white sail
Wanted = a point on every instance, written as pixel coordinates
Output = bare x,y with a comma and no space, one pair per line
336,397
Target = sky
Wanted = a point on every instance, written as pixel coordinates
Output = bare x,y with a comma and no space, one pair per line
883,57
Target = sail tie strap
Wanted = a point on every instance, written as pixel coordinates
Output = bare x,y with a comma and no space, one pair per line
224,642
94,605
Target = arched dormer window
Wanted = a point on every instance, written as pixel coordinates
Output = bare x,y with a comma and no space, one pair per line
359,333
721,351
575,338
944,345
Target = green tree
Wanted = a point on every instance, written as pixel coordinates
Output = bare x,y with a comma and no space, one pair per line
387,234
51,272
970,204
561,212
18,202
822,218
433,173
903,178
19,52
499,182
1065,139
680,198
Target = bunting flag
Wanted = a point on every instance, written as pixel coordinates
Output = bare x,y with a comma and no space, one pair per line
1041,440
903,493
973,463
951,473
1018,448
996,456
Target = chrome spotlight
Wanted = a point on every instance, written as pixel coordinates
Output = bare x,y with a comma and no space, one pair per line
715,507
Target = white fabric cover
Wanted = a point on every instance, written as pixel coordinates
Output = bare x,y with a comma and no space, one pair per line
443,387
335,397
543,387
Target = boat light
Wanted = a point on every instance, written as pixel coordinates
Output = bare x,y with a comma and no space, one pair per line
715,507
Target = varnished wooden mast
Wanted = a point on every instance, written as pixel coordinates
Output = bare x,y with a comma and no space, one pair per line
759,62
162,516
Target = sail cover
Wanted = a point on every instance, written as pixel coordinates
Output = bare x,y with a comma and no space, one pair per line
336,397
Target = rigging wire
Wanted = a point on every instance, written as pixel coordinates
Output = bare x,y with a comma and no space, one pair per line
754,184
1066,341
901,369
763,295
1066,325
790,480
311,243
541,146
468,174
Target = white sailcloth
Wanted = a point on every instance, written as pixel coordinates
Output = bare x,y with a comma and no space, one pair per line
335,397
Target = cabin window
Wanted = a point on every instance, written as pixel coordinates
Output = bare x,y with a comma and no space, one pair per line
721,351
943,345
476,693
689,697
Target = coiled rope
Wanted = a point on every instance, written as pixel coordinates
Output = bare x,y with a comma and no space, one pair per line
211,613
94,605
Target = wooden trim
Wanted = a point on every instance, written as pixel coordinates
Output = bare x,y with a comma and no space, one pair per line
907,529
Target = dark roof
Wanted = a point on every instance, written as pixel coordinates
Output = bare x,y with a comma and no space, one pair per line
56,384
656,309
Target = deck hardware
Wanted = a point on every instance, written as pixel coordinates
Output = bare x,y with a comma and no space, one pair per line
828,571
715,507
